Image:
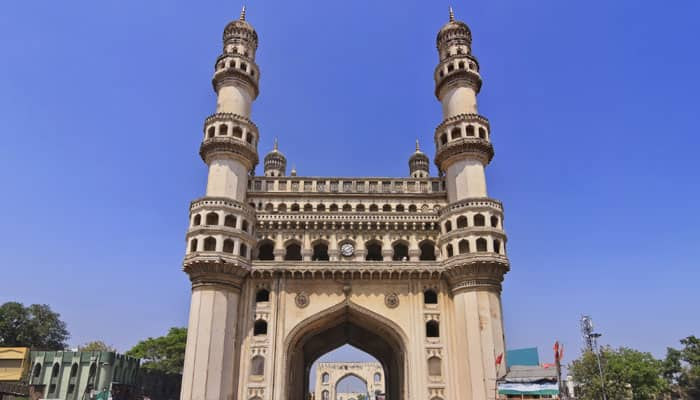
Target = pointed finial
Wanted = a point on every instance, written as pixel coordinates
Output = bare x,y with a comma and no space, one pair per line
276,145
417,146
452,14
242,18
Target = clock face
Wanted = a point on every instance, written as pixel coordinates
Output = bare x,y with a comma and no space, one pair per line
347,249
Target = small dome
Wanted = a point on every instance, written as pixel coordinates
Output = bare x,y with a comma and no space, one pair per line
275,162
455,26
242,29
419,163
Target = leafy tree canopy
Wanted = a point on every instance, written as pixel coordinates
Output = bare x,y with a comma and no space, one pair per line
682,369
628,373
96,345
35,326
164,353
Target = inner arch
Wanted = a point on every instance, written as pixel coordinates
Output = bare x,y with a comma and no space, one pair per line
346,323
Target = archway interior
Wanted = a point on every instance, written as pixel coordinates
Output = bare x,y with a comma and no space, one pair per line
347,326
350,383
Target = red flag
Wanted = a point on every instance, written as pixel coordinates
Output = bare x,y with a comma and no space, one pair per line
561,352
499,359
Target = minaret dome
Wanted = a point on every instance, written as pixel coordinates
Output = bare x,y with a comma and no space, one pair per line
419,164
275,162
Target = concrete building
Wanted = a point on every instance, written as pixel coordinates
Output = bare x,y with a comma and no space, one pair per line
70,375
287,268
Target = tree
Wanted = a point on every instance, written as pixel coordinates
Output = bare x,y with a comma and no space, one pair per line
682,369
35,326
96,345
628,374
164,353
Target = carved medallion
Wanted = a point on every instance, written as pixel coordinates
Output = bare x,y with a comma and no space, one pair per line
301,299
391,300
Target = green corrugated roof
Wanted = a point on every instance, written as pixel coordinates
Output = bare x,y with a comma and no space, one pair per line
527,356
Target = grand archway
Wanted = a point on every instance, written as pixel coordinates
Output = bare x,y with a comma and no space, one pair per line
346,323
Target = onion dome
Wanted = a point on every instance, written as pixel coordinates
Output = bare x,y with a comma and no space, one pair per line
241,31
419,164
454,31
275,162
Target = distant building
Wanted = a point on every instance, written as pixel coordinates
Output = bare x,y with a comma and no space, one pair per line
84,375
526,378
14,364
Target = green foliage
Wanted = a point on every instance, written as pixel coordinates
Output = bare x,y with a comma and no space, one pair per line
682,369
165,353
96,345
628,374
35,326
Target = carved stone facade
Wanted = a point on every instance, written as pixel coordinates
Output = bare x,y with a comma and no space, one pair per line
287,268
329,374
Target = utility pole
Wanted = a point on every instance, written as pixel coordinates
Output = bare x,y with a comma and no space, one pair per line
591,344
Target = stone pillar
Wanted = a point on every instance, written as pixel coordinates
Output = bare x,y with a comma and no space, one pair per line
210,359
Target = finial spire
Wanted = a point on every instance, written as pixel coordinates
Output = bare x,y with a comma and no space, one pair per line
276,145
452,14
417,145
242,18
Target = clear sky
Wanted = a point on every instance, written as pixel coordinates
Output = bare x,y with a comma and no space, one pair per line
593,106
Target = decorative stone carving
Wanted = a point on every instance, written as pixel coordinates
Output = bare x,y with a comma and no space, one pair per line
301,299
391,300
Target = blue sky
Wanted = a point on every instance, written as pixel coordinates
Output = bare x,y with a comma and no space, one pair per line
593,107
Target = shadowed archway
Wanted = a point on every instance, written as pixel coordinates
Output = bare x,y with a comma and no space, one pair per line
344,323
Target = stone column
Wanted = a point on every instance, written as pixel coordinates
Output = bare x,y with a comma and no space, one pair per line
210,359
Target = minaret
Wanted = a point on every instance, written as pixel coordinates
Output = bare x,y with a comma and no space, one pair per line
472,238
220,236
419,164
462,140
275,162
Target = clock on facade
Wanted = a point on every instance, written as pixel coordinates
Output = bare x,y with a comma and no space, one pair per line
347,249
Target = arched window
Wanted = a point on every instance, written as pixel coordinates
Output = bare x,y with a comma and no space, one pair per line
377,377
308,207
400,252
360,208
333,207
249,137
244,225
427,251
37,370
197,220
282,208
243,252
230,221
456,133
450,68
228,246
434,366
432,329
237,132
266,251
479,220
325,395
443,138
74,370
223,129
347,207
470,130
210,244
480,244
257,366
212,219
320,252
386,208
262,296
463,246
494,221
461,65
462,222
430,296
56,369
269,207
325,378
448,226
320,208
482,133
293,252
295,207
211,132
193,245
260,327
412,208
374,251
450,250
496,246
400,208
